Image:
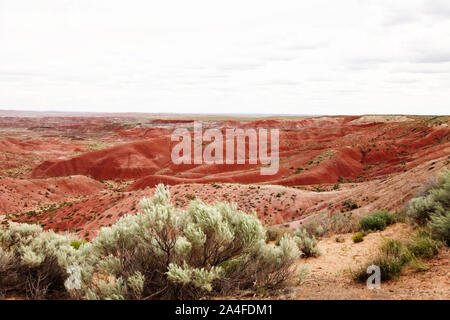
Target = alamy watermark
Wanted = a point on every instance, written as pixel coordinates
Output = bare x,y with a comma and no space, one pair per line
374,281
213,153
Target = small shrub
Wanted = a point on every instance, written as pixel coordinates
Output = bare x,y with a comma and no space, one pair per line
423,246
344,223
432,209
76,243
358,237
317,225
394,248
306,243
386,216
372,223
378,220
191,196
420,209
349,205
303,273
440,227
390,267
434,202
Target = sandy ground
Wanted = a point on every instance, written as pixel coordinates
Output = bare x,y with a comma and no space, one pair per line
329,276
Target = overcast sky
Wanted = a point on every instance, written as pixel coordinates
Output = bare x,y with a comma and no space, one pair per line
291,57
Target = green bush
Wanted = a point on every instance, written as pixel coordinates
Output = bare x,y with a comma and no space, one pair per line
372,223
358,237
390,267
378,220
386,216
77,243
396,249
421,208
306,243
423,246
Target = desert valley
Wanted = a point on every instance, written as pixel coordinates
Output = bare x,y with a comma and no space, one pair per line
77,173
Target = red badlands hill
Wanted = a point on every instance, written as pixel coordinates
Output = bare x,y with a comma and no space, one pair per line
125,161
312,151
18,195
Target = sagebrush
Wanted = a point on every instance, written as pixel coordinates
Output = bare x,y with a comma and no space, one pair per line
164,252
432,210
34,262
160,253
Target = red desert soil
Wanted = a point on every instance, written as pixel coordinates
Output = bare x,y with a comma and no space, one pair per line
18,195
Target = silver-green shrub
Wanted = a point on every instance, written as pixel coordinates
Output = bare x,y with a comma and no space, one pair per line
440,227
33,261
165,253
433,209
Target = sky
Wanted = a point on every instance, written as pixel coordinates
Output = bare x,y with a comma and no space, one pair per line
233,56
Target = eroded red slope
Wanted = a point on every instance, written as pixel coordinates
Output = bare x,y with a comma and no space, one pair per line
312,151
17,195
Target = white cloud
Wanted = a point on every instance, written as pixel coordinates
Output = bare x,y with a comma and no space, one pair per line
304,57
